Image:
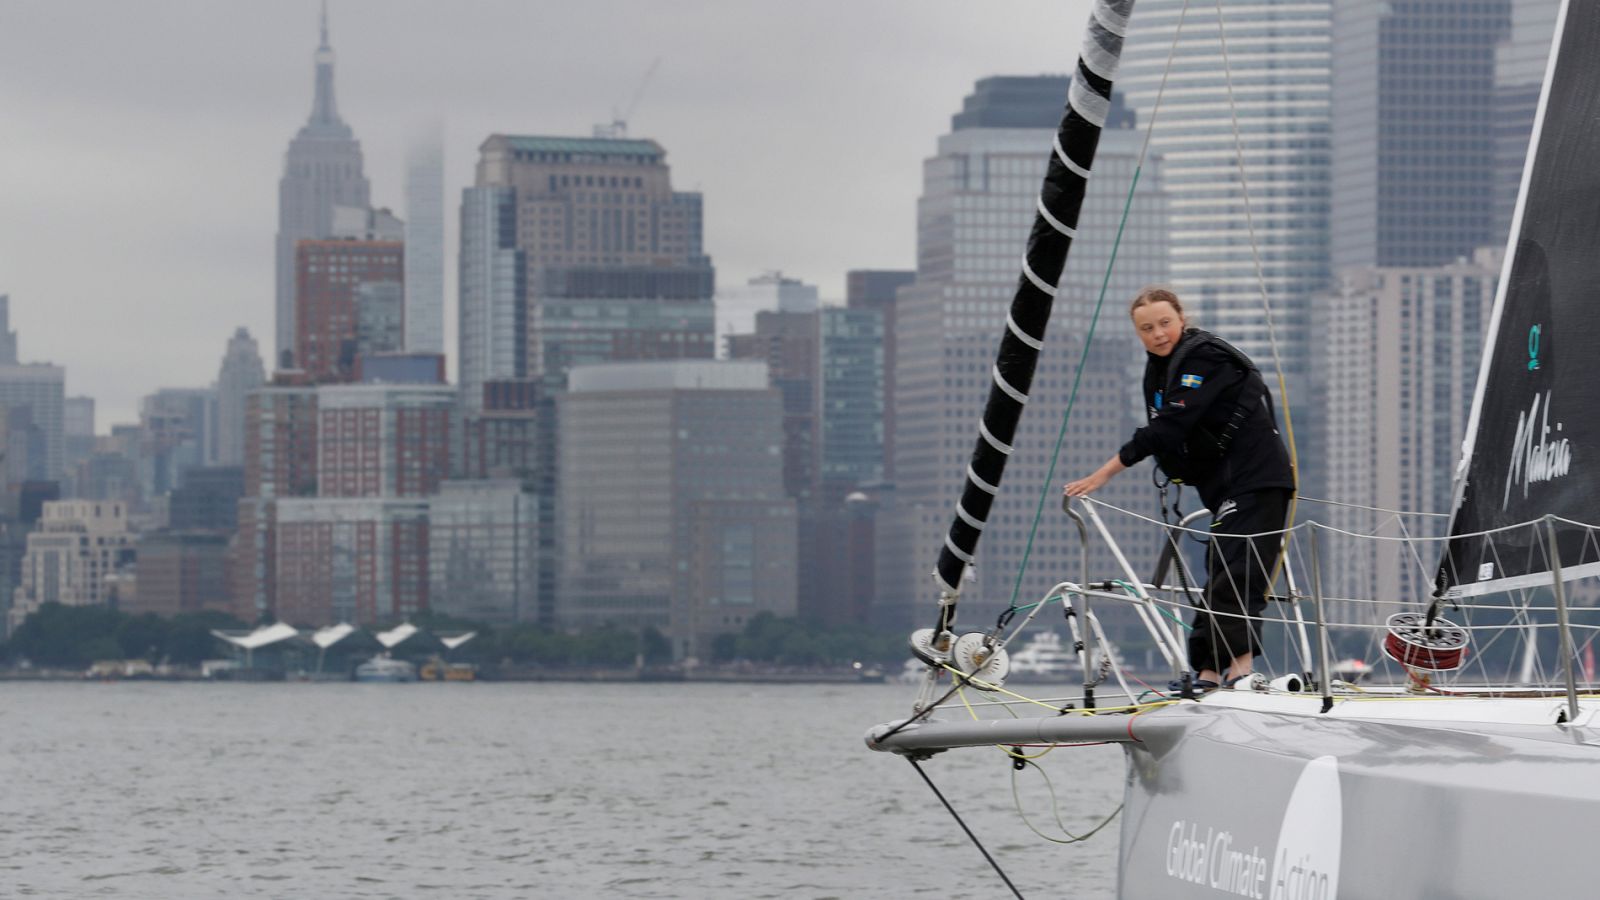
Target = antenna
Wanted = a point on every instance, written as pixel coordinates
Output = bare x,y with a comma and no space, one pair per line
618,128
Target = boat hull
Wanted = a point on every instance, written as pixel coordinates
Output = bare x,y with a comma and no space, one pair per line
1248,803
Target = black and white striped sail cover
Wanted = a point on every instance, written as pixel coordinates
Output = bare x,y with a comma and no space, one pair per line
1054,228
1535,450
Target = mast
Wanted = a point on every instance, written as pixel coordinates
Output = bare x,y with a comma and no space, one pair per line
1054,228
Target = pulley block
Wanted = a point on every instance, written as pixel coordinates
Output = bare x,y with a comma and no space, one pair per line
976,656
931,651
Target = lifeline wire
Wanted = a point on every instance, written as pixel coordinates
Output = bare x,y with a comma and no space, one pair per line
977,843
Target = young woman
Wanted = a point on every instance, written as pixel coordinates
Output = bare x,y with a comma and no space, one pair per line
1211,426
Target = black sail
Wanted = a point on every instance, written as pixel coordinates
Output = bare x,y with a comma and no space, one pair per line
1054,227
1534,445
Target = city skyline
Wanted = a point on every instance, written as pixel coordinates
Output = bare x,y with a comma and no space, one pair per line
157,139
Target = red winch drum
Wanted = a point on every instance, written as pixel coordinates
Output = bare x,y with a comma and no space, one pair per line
1413,642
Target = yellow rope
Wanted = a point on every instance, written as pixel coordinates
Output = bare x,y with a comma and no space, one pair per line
984,685
1004,748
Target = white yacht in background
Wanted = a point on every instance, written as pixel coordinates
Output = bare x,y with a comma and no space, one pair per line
1044,657
386,669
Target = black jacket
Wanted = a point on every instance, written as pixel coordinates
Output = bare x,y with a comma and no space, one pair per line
1189,411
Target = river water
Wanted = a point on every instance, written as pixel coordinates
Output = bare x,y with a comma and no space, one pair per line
141,789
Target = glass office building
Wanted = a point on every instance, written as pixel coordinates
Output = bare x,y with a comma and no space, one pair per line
1273,59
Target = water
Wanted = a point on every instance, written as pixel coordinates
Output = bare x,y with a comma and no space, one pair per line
513,791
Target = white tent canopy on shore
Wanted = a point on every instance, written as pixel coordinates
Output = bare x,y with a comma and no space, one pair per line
325,638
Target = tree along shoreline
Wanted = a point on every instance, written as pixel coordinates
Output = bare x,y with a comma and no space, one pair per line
702,675
72,639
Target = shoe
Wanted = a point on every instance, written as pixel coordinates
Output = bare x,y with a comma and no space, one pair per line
1255,681
1199,685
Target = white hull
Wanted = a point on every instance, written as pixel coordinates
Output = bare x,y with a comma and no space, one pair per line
1262,795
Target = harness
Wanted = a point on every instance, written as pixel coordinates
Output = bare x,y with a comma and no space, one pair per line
1204,444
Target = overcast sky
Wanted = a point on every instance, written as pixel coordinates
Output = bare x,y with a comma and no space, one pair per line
141,141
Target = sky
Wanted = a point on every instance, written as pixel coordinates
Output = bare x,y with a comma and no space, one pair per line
141,143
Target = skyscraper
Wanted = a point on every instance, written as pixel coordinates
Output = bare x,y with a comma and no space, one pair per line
332,279
738,305
573,251
363,561
1400,348
613,263
672,510
978,202
322,169
424,319
483,551
241,372
1271,76
34,395
383,440
77,439
876,290
358,551
42,388
787,343
8,337
280,461
1414,131
178,430
492,313
850,400
1519,64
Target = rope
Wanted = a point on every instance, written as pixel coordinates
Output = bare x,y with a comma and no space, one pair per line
1128,588
1055,807
1261,282
975,842
959,677
963,678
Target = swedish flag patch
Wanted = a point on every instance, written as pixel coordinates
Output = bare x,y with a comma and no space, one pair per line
1191,381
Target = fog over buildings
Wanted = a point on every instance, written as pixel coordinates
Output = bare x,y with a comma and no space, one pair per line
811,153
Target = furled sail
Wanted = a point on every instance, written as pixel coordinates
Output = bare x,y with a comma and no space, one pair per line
1533,446
1053,230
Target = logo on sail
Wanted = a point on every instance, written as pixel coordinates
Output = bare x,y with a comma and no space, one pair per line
1535,457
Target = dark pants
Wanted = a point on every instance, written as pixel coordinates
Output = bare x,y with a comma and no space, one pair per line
1238,576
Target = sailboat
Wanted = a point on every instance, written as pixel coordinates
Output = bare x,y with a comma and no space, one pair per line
1464,762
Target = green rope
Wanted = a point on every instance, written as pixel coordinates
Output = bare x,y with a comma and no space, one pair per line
1072,398
1040,603
1159,608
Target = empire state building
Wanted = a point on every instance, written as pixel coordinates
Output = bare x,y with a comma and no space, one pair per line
321,170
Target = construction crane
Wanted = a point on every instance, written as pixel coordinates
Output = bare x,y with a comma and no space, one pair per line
618,128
